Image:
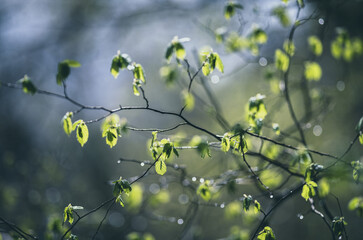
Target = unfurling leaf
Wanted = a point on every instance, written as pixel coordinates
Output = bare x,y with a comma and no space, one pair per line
68,214
188,99
308,190
230,9
139,72
82,131
281,60
266,234
204,191
28,86
67,123
120,61
315,45
64,69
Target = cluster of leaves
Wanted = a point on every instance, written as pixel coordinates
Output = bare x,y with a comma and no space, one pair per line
138,236
112,128
338,226
204,190
123,61
308,190
68,212
256,113
121,186
248,200
356,204
161,151
266,234
234,139
64,69
80,127
343,47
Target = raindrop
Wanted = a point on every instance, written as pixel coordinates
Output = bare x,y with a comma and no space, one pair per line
340,86
321,21
201,180
215,79
308,125
262,61
142,164
222,205
194,179
180,221
317,130
300,216
271,196
340,237
119,161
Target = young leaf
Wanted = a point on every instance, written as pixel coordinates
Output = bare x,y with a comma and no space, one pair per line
247,200
160,167
315,45
64,69
308,190
266,234
27,85
226,142
179,51
111,136
139,72
356,204
188,100
82,133
276,128
312,71
230,9
289,47
218,63
281,60
257,207
204,191
67,123
280,13
338,226
206,69
68,214
72,63
169,52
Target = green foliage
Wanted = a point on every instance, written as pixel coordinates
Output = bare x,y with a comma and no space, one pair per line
247,201
82,131
338,226
324,188
226,142
176,47
211,60
55,229
230,9
138,236
271,178
202,146
138,72
357,170
67,123
120,61
282,61
315,45
188,99
68,212
112,128
308,190
135,198
64,69
356,204
121,186
359,129
313,71
204,191
289,47
266,234
169,74
27,85
280,13
160,167
345,47
256,113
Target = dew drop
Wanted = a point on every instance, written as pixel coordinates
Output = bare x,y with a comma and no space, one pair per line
262,61
222,205
215,79
300,216
340,86
201,180
119,161
194,179
271,196
142,164
321,21
317,130
340,237
180,221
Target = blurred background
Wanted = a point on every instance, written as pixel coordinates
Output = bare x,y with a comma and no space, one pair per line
42,170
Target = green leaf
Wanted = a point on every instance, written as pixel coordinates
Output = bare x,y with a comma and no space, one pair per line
139,72
120,61
206,69
111,136
160,167
67,123
247,200
357,168
356,204
301,3
289,47
226,142
338,226
75,124
169,52
72,63
361,138
179,51
280,13
204,191
266,234
64,69
218,62
312,71
276,128
308,190
257,207
315,45
258,36
68,214
282,61
120,201
73,237
188,99
229,10
28,86
324,188
82,133
115,66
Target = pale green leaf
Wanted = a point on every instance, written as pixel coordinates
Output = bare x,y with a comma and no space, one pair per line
219,64
72,63
289,47
28,86
206,69
160,167
312,71
67,123
179,51
282,61
82,133
188,99
315,45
